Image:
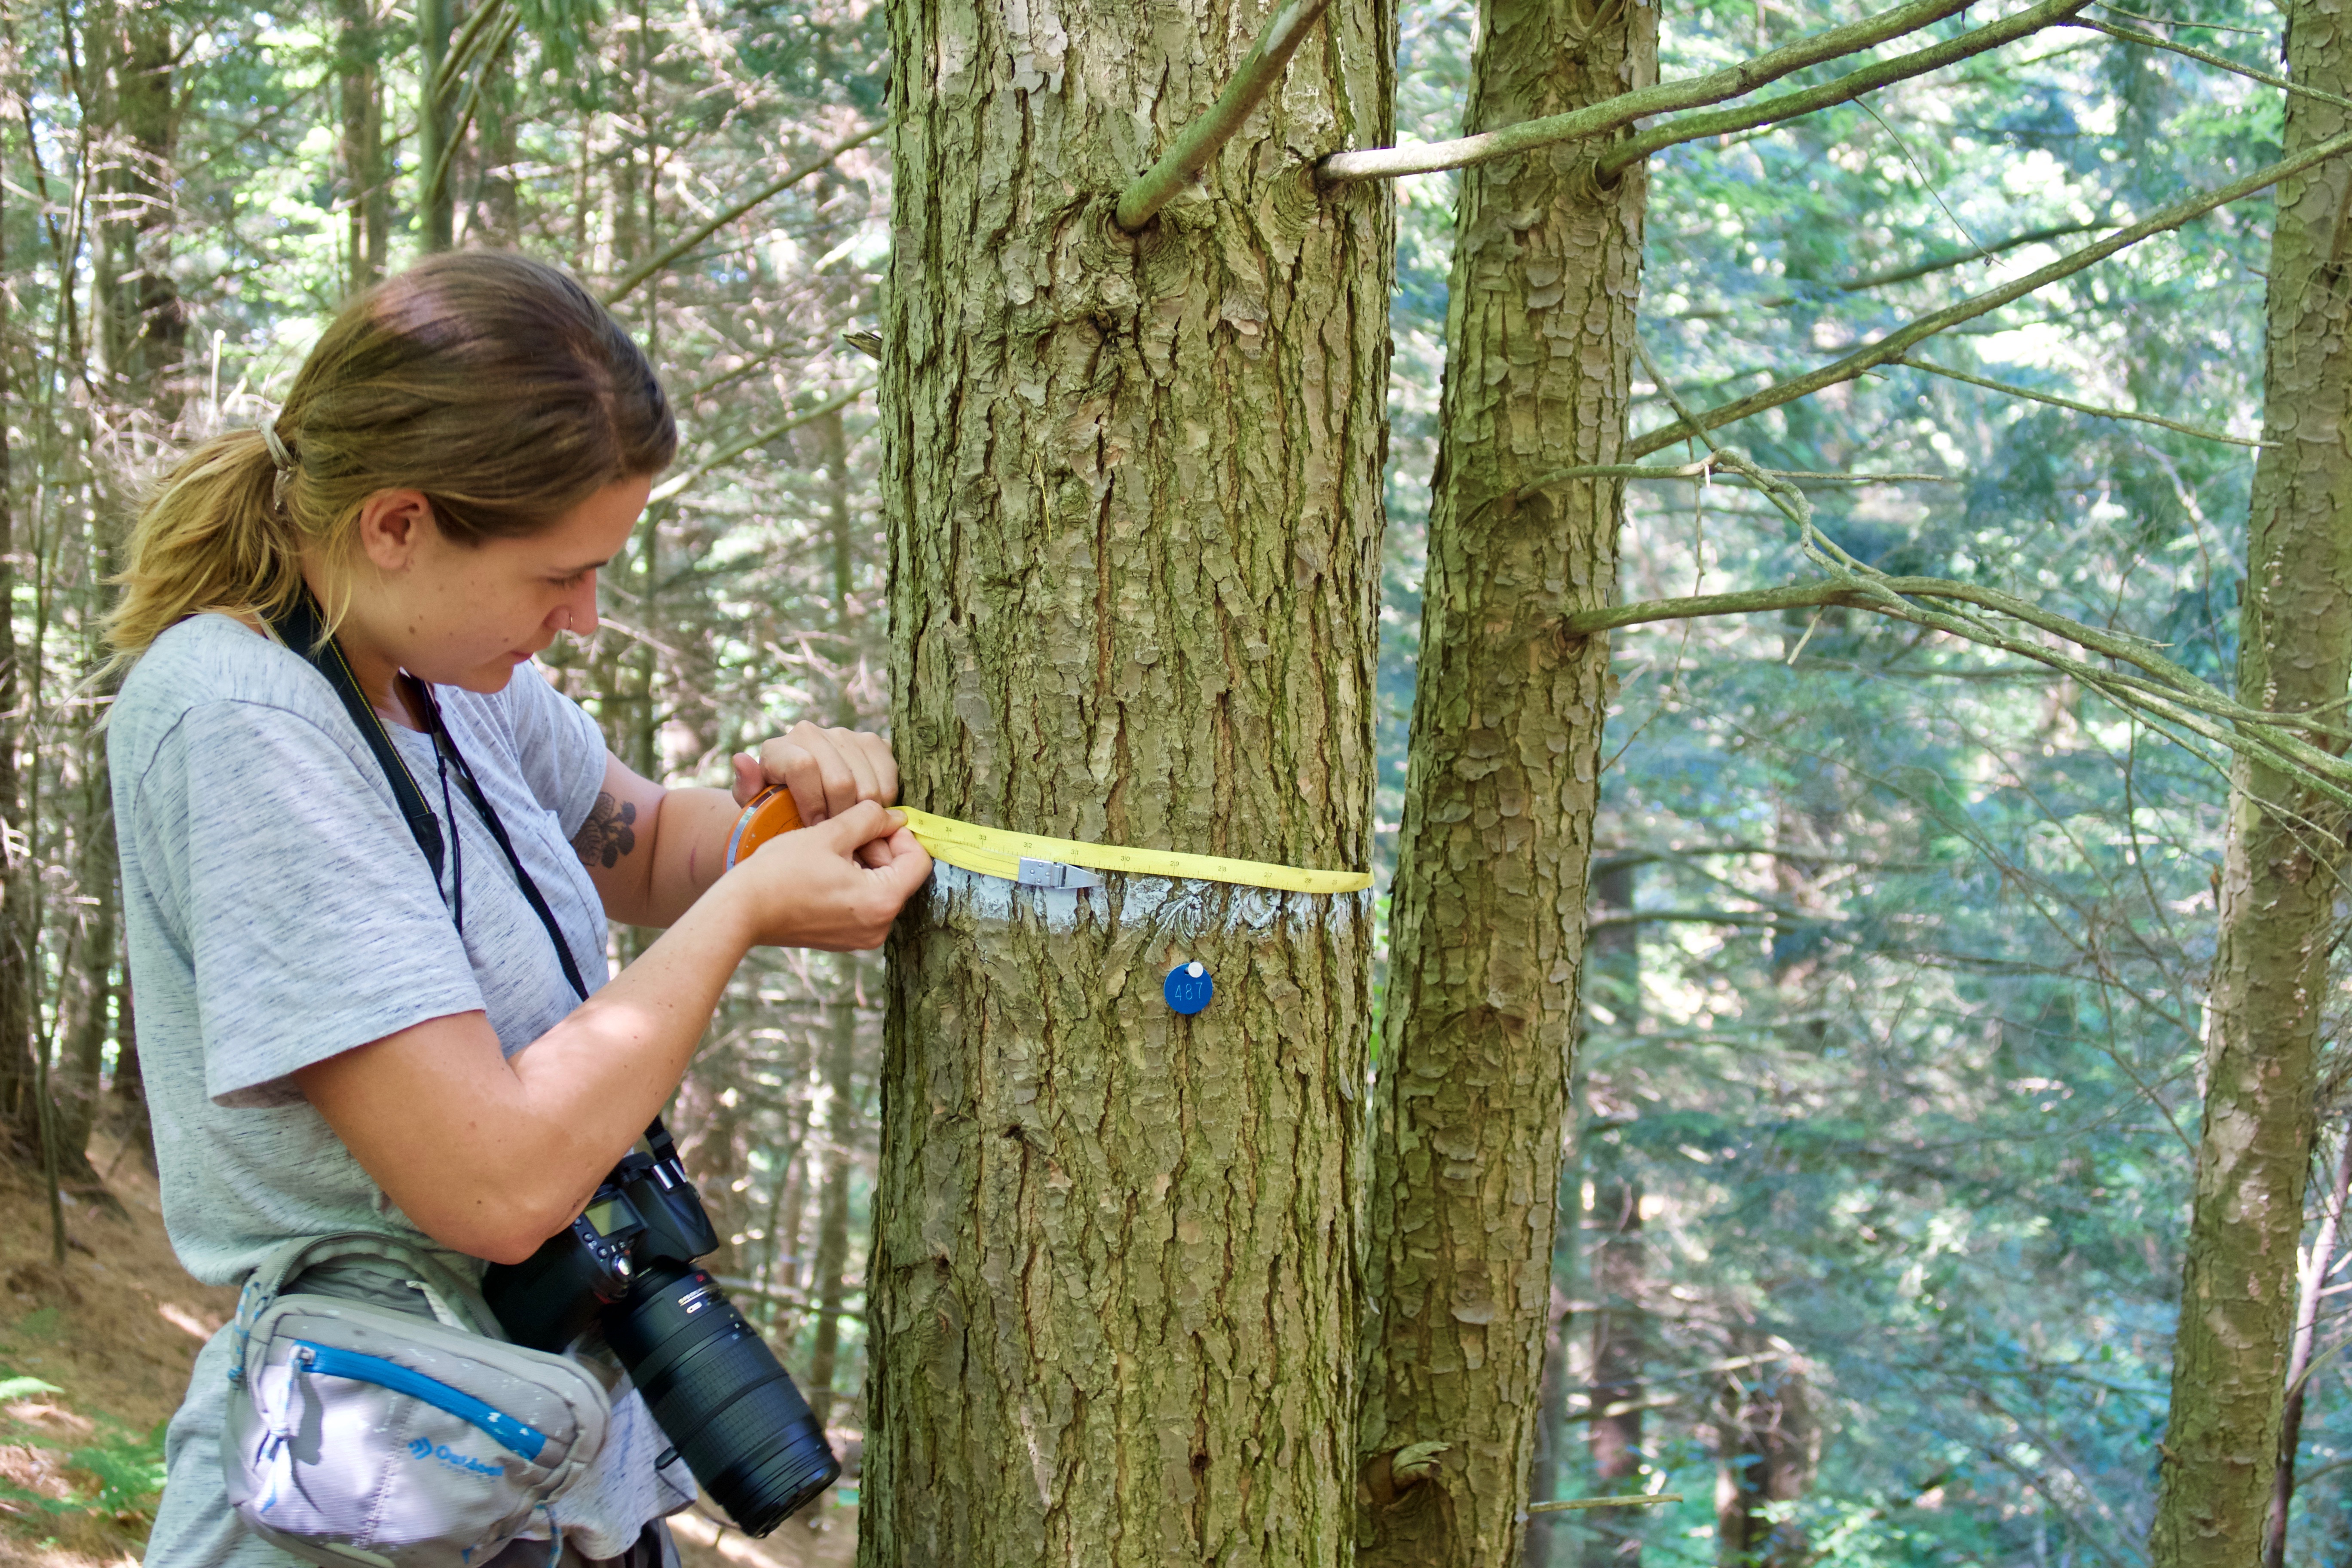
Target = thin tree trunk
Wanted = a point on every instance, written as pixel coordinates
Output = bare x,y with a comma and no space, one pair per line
2298,1362
2280,875
143,321
435,21
137,1128
1552,1431
366,182
1487,911
74,1084
1133,487
19,935
832,1209
1769,1444
1619,1350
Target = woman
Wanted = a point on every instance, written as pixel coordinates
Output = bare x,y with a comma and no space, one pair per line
332,1037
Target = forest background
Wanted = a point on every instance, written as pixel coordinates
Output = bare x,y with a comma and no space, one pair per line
1886,1097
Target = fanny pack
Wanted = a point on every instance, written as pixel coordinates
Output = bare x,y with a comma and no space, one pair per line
380,1420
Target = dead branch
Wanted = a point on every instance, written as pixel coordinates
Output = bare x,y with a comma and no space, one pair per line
2133,36
790,177
1615,113
669,488
1895,344
2092,409
1615,160
1253,79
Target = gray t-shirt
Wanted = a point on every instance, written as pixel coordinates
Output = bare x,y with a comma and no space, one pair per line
279,912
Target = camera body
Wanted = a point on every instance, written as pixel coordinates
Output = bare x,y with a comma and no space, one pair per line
715,1389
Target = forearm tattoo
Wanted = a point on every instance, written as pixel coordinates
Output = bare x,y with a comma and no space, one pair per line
609,832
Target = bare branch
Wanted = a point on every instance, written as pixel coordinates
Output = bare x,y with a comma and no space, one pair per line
1706,470
669,488
1615,159
790,177
1894,275
2133,36
1643,1499
1253,79
460,56
2002,386
1895,344
2166,691
2180,22
1615,113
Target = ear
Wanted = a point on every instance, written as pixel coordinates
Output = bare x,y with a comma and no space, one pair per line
392,525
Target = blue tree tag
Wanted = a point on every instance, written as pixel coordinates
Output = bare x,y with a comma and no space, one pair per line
1188,987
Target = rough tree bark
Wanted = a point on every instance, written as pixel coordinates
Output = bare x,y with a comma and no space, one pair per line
1133,491
2281,873
1489,908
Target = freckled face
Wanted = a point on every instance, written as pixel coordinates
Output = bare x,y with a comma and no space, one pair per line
467,614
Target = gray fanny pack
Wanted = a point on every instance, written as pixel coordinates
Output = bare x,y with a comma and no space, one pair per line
381,1419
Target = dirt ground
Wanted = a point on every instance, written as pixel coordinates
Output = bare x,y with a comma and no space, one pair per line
116,1328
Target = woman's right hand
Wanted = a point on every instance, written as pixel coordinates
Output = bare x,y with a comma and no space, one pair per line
835,887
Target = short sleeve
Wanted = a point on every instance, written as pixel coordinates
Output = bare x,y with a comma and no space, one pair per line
308,912
558,748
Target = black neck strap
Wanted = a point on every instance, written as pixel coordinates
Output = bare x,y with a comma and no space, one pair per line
300,629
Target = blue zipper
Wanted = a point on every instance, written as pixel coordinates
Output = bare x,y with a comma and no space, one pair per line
359,1367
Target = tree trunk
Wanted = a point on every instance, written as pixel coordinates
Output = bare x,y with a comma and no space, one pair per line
366,182
2280,874
1620,1349
2315,1267
137,1128
832,1209
1769,1444
143,321
74,1085
435,21
19,933
1133,486
1489,908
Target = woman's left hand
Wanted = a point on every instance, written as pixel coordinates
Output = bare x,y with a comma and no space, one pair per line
828,771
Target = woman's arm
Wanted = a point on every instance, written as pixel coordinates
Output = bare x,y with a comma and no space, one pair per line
491,1155
652,852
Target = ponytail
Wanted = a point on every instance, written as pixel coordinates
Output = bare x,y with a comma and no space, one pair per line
209,538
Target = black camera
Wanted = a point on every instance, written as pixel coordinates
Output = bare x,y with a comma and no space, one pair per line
714,1387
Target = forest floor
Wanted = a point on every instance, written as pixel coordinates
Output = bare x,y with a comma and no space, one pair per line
94,1357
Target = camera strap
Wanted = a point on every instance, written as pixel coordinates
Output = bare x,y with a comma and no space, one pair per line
301,630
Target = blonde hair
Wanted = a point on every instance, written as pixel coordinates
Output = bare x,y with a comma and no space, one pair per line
495,384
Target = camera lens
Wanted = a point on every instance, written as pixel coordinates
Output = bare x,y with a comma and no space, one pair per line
718,1391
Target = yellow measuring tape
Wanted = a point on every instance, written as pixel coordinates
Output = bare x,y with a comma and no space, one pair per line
1037,862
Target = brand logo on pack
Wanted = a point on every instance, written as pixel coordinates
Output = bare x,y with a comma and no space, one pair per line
422,1448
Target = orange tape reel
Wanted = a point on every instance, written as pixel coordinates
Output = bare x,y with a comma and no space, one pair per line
770,813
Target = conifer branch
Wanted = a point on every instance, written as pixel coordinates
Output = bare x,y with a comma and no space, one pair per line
2094,410
1253,79
790,178
1615,113
1620,156
1893,347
